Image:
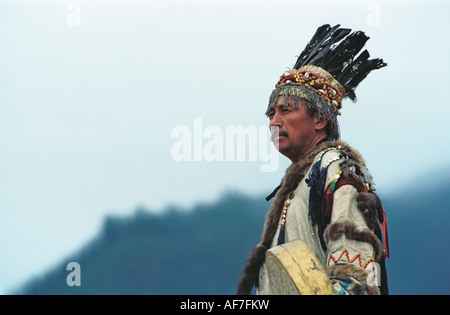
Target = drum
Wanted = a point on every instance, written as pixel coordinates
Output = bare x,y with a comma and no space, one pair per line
293,269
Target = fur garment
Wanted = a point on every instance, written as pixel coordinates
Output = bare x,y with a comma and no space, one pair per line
294,175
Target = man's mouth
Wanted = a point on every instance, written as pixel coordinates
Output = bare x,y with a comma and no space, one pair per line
278,135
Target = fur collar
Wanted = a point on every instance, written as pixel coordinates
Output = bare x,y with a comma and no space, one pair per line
294,175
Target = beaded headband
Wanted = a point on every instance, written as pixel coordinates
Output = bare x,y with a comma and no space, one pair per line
317,80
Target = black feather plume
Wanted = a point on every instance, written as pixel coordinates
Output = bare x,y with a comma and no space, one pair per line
336,50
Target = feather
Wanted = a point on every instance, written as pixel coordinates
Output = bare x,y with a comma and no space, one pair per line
364,69
344,52
320,40
351,68
327,46
336,50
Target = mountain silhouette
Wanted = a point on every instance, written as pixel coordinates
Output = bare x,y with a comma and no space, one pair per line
202,251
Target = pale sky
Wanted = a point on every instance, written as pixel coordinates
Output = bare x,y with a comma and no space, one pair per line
91,92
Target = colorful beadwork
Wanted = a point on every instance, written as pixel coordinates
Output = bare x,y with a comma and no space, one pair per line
317,80
335,180
287,202
345,255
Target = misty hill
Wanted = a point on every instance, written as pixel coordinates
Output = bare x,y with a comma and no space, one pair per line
199,252
202,251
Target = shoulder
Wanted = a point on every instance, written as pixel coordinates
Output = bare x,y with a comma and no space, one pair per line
330,149
339,160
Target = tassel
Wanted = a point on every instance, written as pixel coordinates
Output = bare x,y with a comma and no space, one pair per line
281,236
316,211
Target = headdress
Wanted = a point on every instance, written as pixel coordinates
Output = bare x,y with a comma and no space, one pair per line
330,67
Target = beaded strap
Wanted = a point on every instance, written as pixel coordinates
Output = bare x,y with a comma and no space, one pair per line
317,80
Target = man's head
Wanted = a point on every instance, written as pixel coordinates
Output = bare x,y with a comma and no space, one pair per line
328,70
301,120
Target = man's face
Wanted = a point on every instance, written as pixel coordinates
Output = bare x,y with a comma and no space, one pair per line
293,130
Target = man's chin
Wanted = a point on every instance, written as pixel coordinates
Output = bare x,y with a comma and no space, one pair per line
280,144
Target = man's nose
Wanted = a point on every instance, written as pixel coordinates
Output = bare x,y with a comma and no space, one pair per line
276,121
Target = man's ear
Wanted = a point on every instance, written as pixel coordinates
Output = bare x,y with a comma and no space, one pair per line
321,123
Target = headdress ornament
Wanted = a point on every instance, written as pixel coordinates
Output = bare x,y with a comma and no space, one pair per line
330,66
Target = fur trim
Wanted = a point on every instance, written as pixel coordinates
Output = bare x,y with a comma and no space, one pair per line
294,175
371,207
336,230
342,271
256,257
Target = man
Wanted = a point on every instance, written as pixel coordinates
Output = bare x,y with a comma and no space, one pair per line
326,198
